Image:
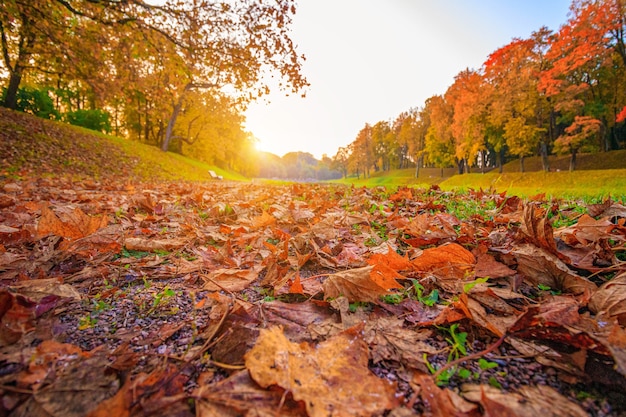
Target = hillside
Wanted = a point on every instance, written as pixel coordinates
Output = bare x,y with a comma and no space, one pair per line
34,146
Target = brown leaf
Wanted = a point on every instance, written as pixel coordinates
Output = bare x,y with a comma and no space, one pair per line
541,401
17,314
331,378
73,225
541,267
487,266
360,284
239,395
609,302
263,220
388,339
151,245
428,229
537,229
157,393
442,402
79,389
37,289
229,279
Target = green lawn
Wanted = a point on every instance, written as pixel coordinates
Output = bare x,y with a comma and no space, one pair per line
583,183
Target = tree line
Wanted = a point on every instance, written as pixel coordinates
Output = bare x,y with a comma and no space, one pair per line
175,74
560,92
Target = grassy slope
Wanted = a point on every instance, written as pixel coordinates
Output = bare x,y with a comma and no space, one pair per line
33,146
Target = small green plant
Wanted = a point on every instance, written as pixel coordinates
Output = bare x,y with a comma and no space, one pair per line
547,288
163,297
494,382
457,342
429,300
484,364
444,377
87,321
395,298
370,242
353,307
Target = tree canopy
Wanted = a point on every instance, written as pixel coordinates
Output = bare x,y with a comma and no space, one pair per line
148,62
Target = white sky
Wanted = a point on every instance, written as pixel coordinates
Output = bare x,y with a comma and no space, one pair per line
370,60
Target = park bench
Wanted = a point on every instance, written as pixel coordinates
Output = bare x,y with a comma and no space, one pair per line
215,176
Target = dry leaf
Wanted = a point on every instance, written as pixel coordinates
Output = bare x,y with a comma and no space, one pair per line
151,245
541,401
74,225
229,279
542,267
610,300
331,378
447,261
360,284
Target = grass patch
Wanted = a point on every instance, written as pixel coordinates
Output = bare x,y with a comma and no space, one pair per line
577,184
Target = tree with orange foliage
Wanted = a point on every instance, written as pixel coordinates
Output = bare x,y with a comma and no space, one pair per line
586,73
466,95
516,118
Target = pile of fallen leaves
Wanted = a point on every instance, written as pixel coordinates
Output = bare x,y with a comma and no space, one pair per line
229,299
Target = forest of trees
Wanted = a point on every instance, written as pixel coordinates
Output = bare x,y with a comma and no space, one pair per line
560,92
174,74
301,166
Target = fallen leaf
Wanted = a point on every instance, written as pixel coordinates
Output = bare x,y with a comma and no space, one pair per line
331,378
360,284
239,395
541,267
229,279
151,245
72,225
609,301
80,387
447,261
37,289
542,401
442,402
391,260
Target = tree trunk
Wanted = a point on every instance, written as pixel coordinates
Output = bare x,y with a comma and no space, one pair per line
170,125
545,162
10,99
572,160
521,163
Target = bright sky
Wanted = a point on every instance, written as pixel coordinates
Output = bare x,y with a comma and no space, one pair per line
370,60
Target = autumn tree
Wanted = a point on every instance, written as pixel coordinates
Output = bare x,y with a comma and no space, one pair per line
361,152
584,72
439,140
340,161
468,118
206,44
515,117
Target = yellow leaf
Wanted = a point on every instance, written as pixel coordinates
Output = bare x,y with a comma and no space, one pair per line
331,379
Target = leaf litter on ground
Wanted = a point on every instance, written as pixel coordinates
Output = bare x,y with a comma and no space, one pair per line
208,299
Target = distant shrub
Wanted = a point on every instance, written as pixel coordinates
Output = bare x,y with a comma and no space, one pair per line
35,101
99,120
